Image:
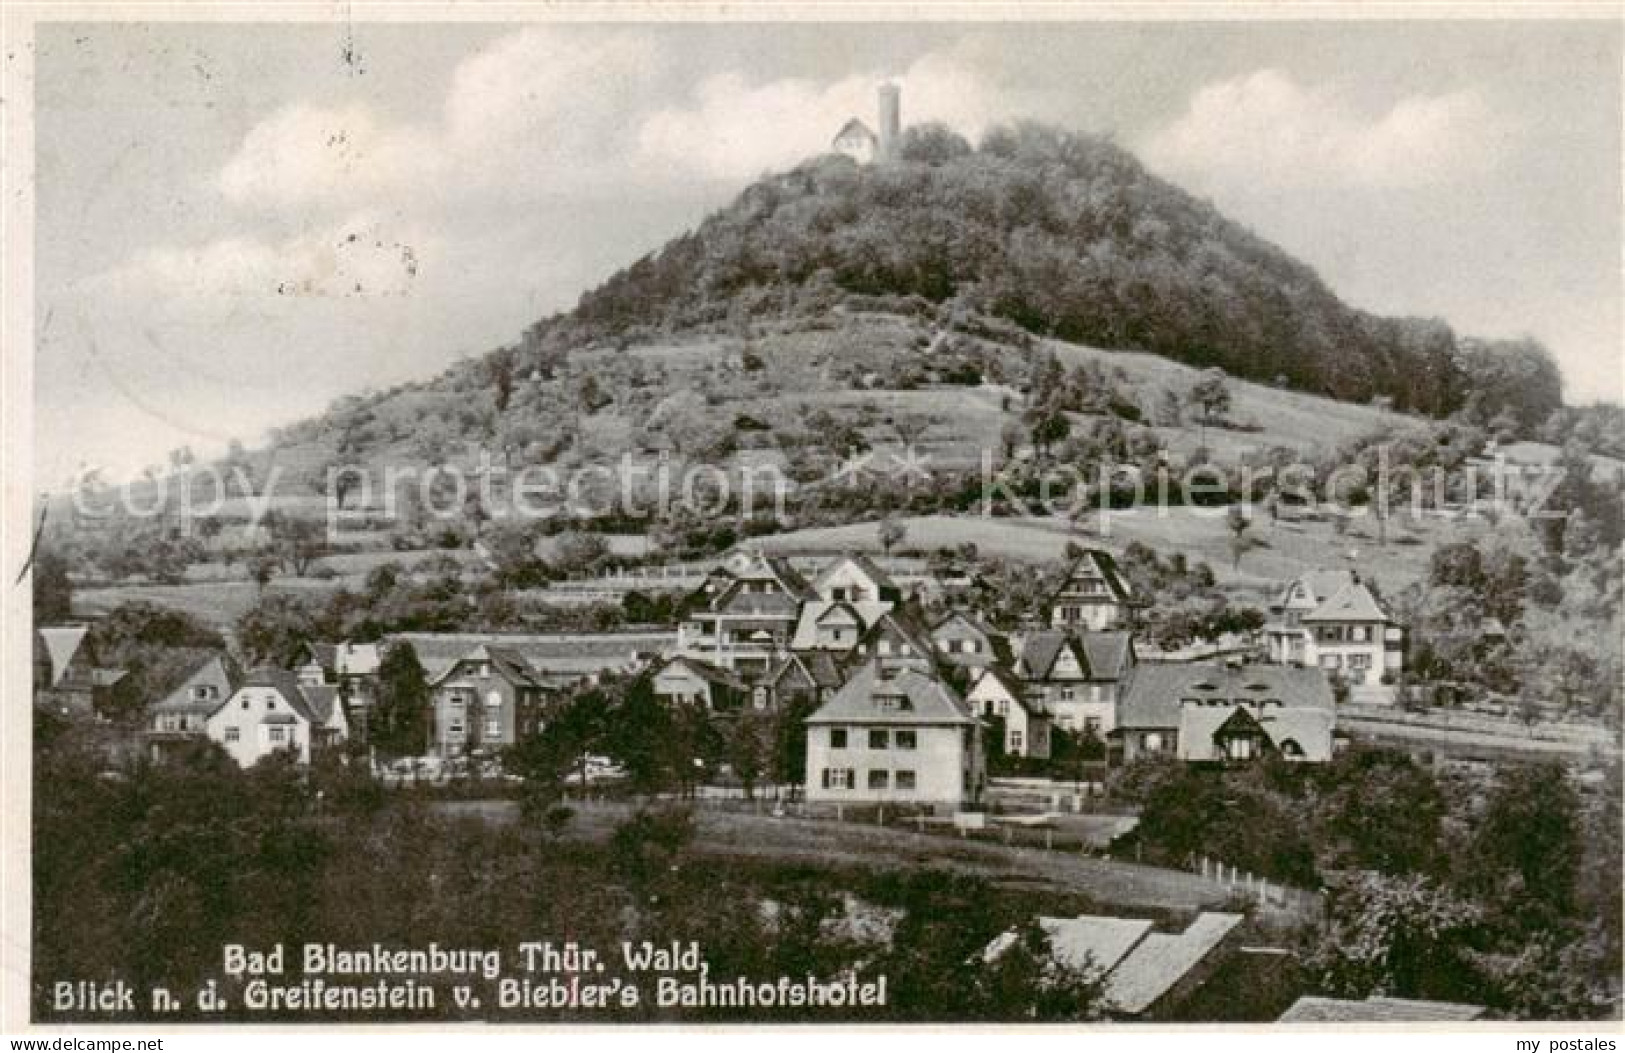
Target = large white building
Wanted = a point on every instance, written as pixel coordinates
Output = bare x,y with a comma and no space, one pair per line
894,735
1332,621
272,712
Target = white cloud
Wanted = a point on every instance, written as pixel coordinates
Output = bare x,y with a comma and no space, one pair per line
304,155
1264,130
360,257
539,112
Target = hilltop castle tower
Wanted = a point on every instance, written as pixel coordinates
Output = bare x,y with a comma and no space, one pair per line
856,141
891,117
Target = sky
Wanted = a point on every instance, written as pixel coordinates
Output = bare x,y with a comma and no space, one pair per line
238,224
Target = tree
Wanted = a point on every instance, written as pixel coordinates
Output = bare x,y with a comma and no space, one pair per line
1048,426
1241,542
1211,395
1527,849
1400,936
501,367
53,592
399,726
274,628
890,533
298,541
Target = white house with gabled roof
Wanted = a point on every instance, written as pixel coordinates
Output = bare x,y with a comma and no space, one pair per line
895,735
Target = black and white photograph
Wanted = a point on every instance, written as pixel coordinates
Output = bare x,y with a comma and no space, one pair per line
688,516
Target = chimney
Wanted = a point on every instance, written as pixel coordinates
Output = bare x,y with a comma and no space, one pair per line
890,120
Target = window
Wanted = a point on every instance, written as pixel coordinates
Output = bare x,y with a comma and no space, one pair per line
1360,661
1091,724
279,734
837,738
1152,742
905,780
837,778
877,738
494,699
904,740
456,701
1330,661
493,729
233,735
1015,741
455,727
879,779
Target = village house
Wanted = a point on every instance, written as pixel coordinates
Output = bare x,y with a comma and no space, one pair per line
1076,676
996,694
180,716
1094,595
799,679
68,679
272,711
746,624
483,701
894,736
1209,711
685,681
963,639
898,638
1331,620
848,597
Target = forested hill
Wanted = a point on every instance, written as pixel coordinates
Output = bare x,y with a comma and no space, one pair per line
1067,236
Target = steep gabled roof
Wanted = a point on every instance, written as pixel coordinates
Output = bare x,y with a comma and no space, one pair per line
1110,653
283,682
321,700
62,643
871,570
1354,602
1040,649
1012,687
1107,564
854,126
928,700
215,670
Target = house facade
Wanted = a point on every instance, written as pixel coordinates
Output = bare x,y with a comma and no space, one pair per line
895,736
1076,676
180,717
963,639
482,701
996,695
685,681
1094,595
745,624
1333,621
271,712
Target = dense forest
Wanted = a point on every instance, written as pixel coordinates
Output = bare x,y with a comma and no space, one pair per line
1065,235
